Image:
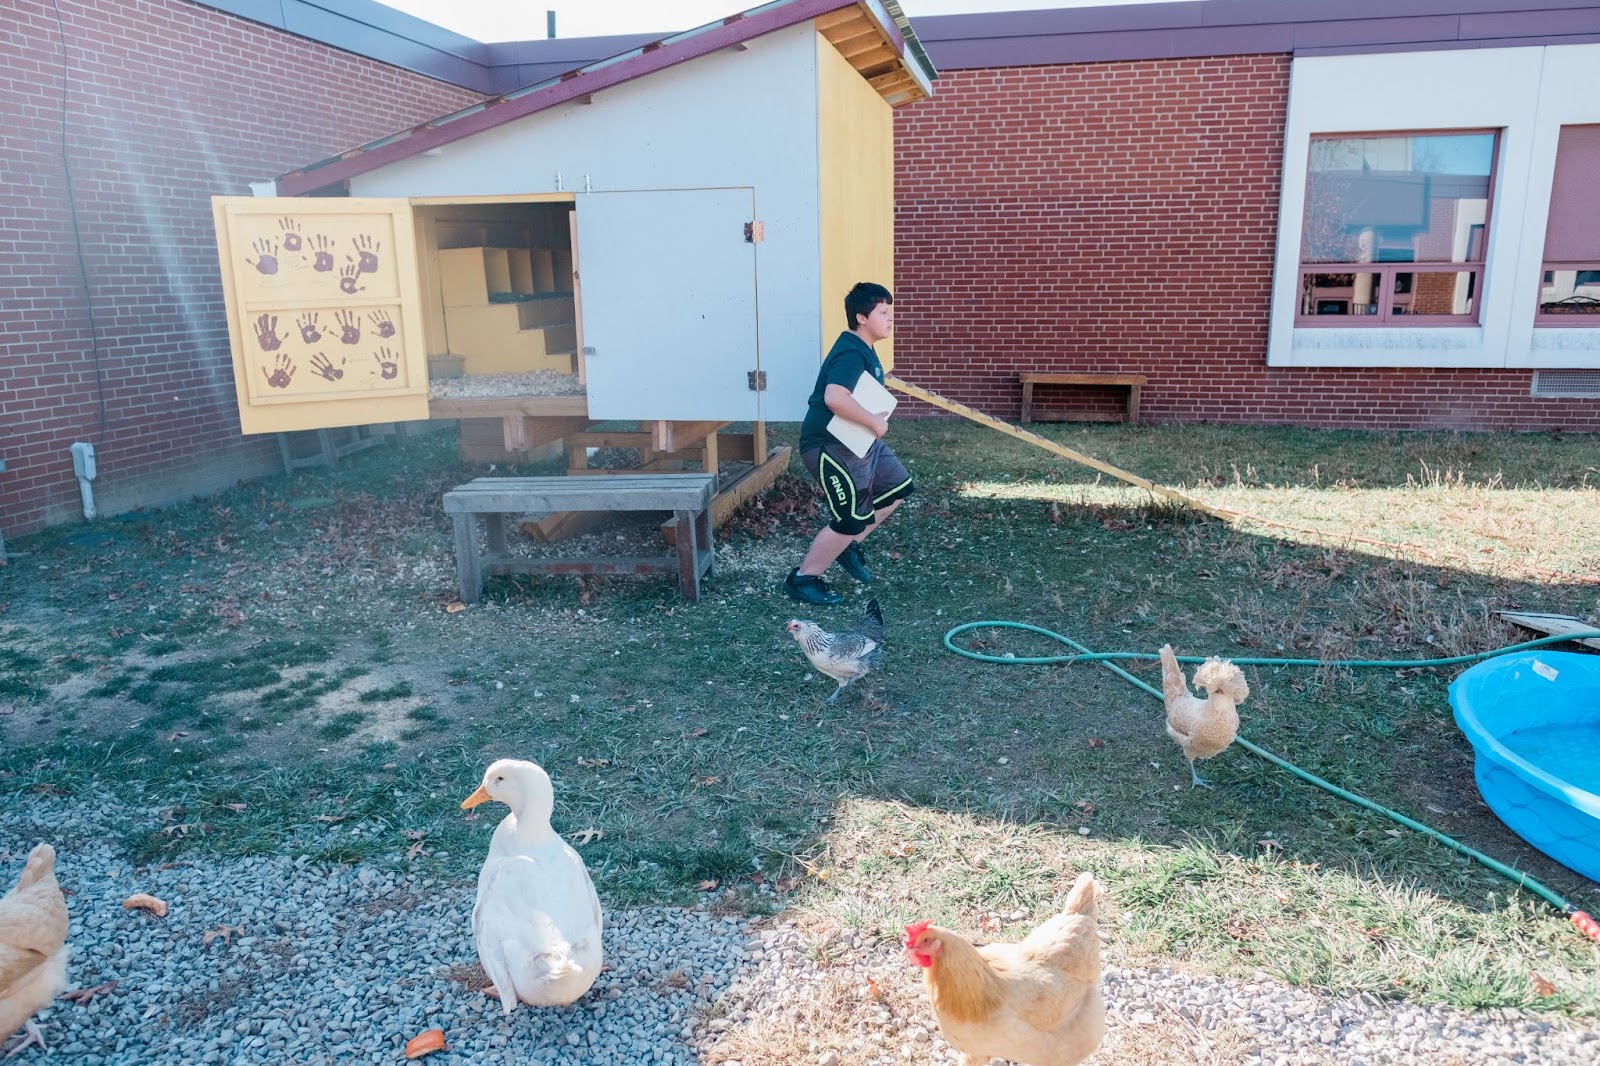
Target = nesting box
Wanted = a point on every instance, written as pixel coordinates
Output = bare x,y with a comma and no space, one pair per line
675,228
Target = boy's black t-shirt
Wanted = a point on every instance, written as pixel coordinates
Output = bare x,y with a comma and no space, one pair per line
847,360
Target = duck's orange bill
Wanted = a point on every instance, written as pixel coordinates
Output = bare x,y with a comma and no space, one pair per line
480,796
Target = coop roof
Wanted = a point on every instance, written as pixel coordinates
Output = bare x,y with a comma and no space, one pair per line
872,35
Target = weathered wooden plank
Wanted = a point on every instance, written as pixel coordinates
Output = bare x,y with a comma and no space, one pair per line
623,492
1555,625
550,528
740,489
675,436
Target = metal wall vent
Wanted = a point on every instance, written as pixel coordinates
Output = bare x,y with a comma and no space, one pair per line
1581,383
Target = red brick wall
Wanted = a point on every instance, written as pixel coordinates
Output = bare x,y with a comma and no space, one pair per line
1123,217
166,104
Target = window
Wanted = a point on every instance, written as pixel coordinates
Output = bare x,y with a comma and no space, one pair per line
1395,230
1569,294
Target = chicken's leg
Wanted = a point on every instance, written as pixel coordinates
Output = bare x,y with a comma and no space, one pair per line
34,1036
1198,780
842,686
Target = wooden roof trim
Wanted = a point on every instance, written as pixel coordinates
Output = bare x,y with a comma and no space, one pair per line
866,36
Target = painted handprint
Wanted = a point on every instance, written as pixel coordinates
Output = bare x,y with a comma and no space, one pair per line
267,333
349,327
291,234
324,366
266,250
347,279
367,249
382,323
308,327
322,248
282,373
388,369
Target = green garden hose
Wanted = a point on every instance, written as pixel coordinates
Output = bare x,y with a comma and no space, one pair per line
1585,924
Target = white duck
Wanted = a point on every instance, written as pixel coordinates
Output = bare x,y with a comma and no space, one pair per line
537,921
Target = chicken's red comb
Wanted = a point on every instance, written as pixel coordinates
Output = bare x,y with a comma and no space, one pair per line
914,930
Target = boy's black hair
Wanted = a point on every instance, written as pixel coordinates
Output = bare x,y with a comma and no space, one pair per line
861,300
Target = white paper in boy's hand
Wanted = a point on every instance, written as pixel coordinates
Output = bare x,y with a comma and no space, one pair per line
875,398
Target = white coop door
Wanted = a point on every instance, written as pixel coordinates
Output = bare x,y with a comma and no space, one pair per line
668,288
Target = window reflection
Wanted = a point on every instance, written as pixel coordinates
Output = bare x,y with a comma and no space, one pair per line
1385,201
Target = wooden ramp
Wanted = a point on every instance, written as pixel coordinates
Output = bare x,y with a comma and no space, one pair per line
1554,625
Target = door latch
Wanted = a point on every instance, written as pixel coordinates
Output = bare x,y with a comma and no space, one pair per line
757,380
755,232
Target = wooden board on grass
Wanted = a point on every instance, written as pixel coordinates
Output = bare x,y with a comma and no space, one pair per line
1555,625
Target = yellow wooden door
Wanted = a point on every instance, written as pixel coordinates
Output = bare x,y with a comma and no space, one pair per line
324,311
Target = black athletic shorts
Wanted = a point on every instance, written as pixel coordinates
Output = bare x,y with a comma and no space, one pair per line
855,486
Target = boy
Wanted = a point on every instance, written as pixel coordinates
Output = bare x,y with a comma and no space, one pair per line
861,491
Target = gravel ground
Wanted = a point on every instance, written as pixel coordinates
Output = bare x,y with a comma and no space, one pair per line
345,964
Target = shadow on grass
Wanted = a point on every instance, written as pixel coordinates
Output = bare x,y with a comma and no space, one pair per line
259,674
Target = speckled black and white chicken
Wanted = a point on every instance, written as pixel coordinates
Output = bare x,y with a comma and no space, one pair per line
843,656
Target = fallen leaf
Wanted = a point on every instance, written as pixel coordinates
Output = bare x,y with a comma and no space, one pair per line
1393,833
900,851
330,819
706,886
1085,806
413,834
990,923
175,734
1541,986
82,996
411,852
584,836
235,806
224,931
696,732
873,991
1096,742
705,782
593,762
455,607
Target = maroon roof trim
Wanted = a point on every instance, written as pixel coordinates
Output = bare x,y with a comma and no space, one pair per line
1203,28
672,50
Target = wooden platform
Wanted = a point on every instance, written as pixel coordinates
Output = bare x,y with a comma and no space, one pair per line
488,500
1555,625
1132,382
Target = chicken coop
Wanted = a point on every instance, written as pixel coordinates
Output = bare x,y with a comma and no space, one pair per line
664,237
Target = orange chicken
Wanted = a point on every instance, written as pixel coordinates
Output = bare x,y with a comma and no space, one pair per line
1202,727
33,947
1036,1003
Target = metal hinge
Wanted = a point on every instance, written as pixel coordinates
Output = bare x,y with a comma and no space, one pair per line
757,380
755,232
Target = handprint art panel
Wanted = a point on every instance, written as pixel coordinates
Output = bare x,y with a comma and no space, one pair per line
317,257
323,351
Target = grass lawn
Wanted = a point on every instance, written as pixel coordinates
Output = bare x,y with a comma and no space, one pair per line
276,670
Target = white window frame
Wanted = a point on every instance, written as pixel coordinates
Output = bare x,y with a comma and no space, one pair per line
1526,93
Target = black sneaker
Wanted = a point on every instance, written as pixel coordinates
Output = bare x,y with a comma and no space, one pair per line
855,564
808,588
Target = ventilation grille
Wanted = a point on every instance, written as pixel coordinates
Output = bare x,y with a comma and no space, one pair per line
1581,383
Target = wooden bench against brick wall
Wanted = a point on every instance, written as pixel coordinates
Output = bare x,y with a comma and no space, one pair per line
490,500
1029,379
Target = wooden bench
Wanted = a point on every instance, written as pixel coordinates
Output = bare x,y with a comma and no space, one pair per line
490,499
1031,378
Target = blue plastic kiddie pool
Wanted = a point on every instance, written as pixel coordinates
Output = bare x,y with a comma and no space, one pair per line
1533,719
